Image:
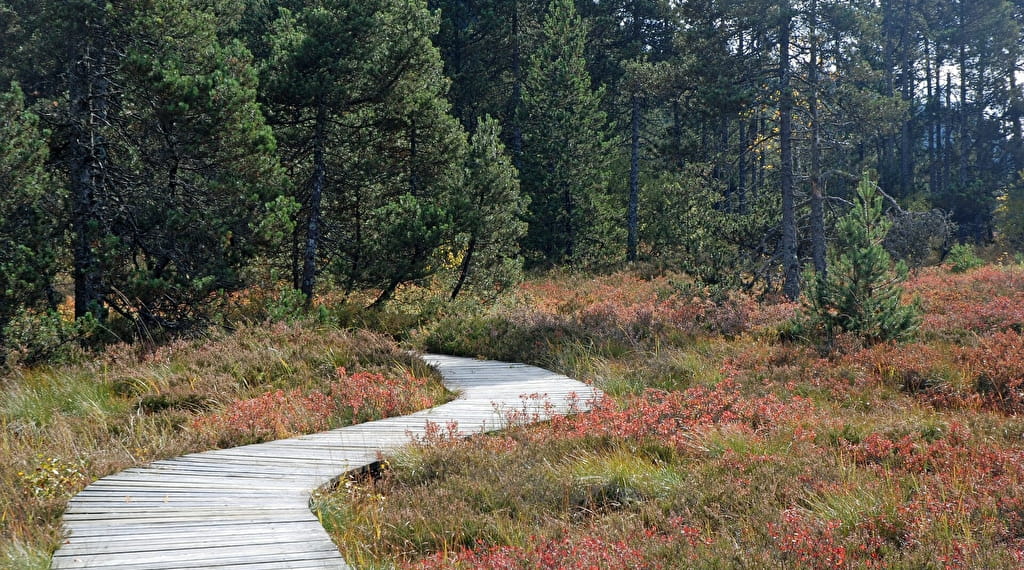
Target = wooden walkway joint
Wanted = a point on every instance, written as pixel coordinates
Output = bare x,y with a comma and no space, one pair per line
248,507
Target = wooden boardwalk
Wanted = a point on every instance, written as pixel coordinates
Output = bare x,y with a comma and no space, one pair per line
248,507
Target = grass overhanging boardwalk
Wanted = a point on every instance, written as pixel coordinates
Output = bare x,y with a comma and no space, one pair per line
248,507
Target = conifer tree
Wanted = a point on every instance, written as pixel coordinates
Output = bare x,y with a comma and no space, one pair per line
168,163
195,165
29,226
861,292
357,94
565,148
490,221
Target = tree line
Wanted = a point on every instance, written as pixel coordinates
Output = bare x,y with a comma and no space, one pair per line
156,154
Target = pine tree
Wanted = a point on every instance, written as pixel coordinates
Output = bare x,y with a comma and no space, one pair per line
490,222
565,148
195,165
357,95
316,73
167,159
861,292
29,223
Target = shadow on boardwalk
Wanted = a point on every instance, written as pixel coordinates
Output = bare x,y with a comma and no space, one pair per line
248,507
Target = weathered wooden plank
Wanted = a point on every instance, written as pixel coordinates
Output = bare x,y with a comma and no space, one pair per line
172,542
200,558
76,522
200,529
247,507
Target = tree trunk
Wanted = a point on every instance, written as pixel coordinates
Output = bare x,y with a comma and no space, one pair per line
316,189
790,261
723,167
464,268
632,216
888,176
907,94
386,293
569,227
88,93
962,63
1016,135
741,158
516,101
948,145
930,118
677,135
817,193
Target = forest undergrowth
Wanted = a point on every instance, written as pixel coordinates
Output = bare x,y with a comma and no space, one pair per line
723,441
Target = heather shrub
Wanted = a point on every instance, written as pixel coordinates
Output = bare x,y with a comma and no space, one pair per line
604,317
913,368
996,366
551,554
351,398
959,305
273,415
526,338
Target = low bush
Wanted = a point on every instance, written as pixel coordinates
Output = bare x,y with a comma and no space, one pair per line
996,366
958,306
352,398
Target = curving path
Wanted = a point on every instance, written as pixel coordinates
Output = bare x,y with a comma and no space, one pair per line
248,507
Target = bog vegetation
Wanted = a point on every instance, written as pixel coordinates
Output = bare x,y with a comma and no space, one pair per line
224,221
724,441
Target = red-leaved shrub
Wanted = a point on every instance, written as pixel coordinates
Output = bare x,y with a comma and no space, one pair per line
997,367
567,553
673,417
351,398
987,299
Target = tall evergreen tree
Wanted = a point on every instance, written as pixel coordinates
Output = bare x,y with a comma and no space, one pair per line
489,223
357,95
91,61
628,42
196,164
565,148
30,216
167,159
788,246
318,69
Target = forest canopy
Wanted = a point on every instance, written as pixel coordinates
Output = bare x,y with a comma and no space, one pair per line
157,156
